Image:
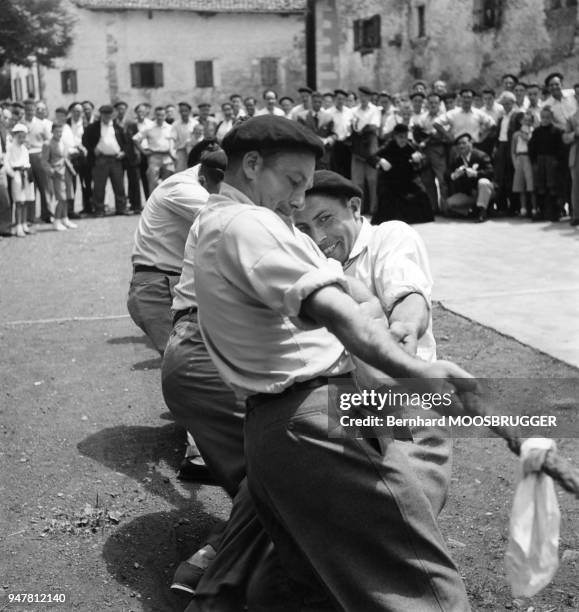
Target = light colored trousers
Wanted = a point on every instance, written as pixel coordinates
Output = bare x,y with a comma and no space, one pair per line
461,203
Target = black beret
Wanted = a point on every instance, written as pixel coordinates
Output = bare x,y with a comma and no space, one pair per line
271,132
417,94
400,128
417,83
467,90
17,105
512,76
305,89
60,110
328,93
340,91
552,76
121,103
463,135
286,98
185,104
385,94
105,108
365,90
204,105
333,184
214,159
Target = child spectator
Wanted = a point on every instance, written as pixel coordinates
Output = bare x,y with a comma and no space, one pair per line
60,172
523,175
545,150
17,163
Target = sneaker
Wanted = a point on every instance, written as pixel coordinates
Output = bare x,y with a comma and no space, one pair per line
28,229
523,212
193,469
68,223
59,225
20,232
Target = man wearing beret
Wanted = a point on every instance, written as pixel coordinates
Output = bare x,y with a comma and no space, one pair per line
105,143
366,121
277,319
305,94
320,123
341,157
132,159
391,260
471,173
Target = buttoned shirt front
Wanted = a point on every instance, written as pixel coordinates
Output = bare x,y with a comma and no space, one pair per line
361,117
77,128
183,134
504,129
473,122
158,138
342,122
562,109
252,273
166,219
38,134
108,144
391,260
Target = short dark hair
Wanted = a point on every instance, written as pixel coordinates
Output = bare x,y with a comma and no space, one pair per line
160,108
489,90
60,110
461,136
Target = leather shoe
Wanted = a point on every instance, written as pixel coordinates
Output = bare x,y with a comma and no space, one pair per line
187,577
74,216
193,469
122,213
481,214
574,222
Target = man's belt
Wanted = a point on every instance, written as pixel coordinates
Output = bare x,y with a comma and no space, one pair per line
303,385
143,268
183,313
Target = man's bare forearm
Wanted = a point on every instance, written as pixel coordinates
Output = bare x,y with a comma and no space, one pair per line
362,329
412,311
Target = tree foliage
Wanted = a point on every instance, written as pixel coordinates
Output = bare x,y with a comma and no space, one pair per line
31,30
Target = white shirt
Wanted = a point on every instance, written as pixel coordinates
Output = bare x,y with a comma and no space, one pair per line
68,138
108,144
224,128
504,130
252,273
342,122
563,109
391,260
38,134
473,122
277,112
363,117
16,156
495,112
183,134
157,138
77,129
166,219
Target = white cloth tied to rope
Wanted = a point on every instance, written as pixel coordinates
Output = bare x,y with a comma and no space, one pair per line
532,556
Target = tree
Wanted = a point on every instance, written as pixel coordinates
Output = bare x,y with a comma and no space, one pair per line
31,30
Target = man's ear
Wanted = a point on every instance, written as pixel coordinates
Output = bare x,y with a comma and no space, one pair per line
251,164
355,205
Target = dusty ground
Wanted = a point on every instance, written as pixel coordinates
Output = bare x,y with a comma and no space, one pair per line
90,505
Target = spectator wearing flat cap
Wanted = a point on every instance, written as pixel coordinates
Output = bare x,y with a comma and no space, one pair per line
132,159
267,298
471,173
388,117
366,121
305,96
401,193
183,135
105,143
503,161
320,123
342,115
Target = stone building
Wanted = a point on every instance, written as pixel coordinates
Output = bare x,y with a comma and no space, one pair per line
391,43
163,51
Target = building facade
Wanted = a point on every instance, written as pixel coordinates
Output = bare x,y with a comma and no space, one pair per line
162,51
392,43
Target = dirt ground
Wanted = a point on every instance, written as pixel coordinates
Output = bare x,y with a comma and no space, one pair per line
90,506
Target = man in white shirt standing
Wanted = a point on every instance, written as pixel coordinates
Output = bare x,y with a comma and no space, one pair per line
158,144
366,120
39,133
342,115
271,107
105,144
183,135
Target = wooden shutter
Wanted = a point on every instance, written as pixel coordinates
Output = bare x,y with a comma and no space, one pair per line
135,75
372,38
358,34
158,72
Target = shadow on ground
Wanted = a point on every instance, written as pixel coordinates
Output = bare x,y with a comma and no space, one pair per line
143,554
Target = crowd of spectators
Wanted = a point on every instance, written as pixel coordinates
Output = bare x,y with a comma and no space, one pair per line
418,154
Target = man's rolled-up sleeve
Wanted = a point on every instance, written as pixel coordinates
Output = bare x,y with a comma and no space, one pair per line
266,260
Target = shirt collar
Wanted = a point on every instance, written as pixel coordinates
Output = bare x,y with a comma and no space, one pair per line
361,243
232,193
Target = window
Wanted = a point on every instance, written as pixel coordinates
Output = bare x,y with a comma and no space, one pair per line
68,82
17,86
487,14
367,34
421,13
268,71
146,74
204,73
30,88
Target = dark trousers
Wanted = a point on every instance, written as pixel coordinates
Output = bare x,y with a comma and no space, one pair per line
341,159
134,185
143,168
5,207
435,169
106,167
84,177
41,183
504,172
